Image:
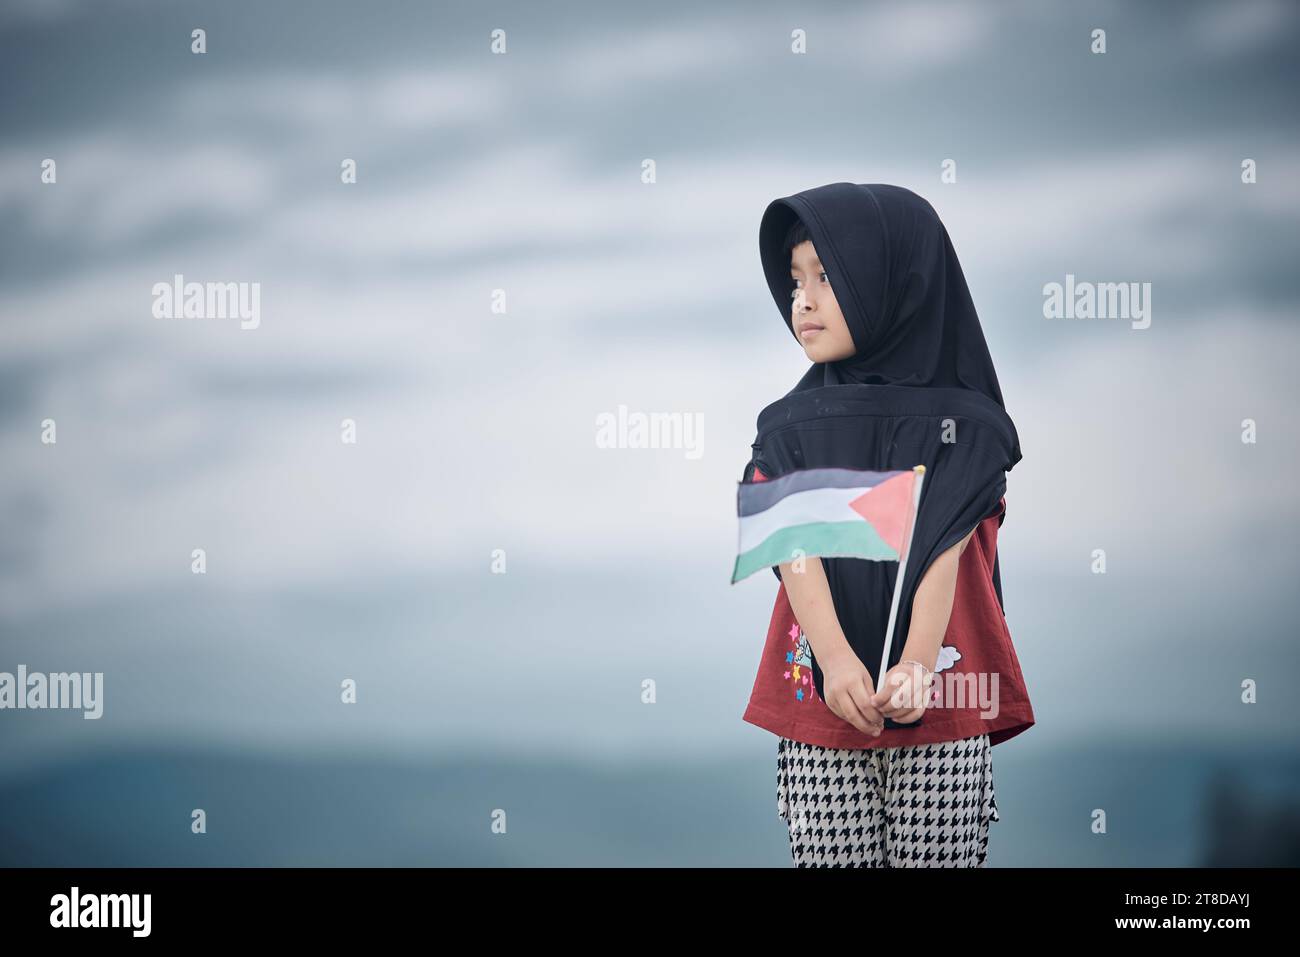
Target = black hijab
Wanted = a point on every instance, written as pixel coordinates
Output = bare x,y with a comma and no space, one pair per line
920,389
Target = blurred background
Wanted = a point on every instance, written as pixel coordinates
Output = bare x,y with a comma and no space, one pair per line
476,428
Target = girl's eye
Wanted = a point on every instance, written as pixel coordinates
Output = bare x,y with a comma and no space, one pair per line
825,278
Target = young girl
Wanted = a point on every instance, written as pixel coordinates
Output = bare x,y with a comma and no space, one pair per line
892,773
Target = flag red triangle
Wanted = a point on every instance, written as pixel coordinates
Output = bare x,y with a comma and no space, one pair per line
888,507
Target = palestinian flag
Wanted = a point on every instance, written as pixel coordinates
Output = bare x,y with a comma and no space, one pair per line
828,513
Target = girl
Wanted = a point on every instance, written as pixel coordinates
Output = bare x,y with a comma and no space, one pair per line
894,772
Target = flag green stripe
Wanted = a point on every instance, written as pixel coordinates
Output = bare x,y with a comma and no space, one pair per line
822,539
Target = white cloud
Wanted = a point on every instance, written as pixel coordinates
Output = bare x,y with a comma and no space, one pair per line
899,40
111,189
1132,442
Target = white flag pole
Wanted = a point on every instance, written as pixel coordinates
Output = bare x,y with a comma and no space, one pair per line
902,569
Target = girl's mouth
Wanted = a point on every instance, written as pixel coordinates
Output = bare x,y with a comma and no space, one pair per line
808,329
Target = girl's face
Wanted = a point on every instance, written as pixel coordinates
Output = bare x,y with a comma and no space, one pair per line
815,314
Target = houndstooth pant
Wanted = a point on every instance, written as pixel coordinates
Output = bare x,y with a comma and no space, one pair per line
924,805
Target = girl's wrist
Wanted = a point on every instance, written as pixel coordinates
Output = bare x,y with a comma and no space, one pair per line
837,659
926,659
835,651
927,671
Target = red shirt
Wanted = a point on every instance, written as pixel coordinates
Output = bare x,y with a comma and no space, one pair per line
978,686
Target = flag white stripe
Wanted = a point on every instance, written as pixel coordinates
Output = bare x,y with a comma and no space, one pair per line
800,508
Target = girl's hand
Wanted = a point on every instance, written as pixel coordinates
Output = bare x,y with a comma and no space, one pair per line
849,694
904,693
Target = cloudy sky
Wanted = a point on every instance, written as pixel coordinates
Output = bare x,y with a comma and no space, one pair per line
522,172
